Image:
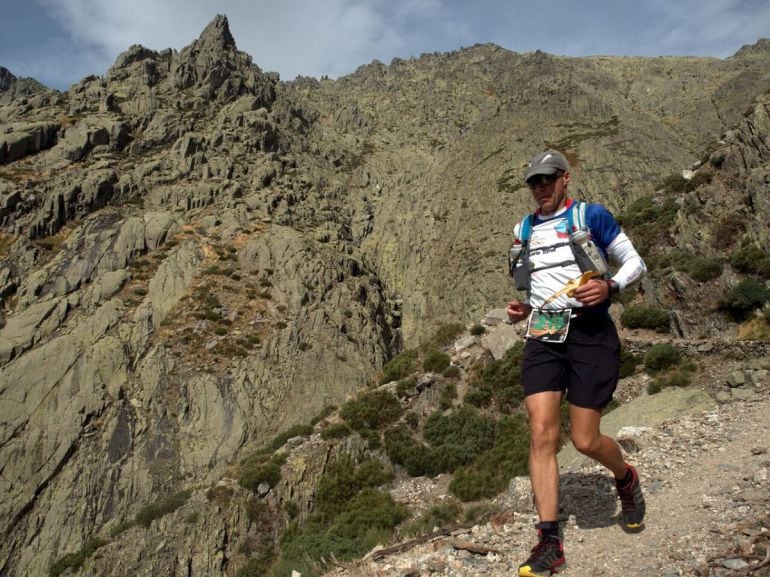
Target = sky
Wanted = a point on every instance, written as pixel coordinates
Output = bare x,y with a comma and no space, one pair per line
58,42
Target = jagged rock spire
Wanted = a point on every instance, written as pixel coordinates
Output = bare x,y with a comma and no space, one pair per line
217,36
6,79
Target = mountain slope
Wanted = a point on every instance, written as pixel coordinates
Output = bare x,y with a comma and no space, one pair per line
196,256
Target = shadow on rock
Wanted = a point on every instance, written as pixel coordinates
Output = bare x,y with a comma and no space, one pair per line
591,499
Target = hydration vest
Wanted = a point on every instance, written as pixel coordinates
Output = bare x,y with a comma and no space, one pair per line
585,253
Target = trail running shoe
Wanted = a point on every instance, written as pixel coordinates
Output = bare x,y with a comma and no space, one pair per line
545,559
632,502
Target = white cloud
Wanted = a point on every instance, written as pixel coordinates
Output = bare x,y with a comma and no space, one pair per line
295,36
334,37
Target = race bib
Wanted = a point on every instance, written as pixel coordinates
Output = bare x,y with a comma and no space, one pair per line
550,326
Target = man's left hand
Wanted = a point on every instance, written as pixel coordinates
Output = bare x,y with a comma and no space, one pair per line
592,293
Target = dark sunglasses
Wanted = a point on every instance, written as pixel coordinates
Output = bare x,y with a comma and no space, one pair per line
544,179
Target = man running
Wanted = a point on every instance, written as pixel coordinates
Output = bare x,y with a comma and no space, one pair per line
572,345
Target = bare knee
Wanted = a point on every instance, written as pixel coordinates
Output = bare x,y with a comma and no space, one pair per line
588,444
544,438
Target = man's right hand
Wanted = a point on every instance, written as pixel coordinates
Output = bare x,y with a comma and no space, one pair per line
518,311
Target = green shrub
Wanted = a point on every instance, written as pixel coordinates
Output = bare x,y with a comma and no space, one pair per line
677,377
748,295
435,361
372,410
402,449
628,363
478,397
751,259
75,561
118,529
220,495
507,371
704,268
367,520
660,357
325,412
729,229
478,330
642,317
336,431
438,516
294,431
490,472
351,518
399,366
675,183
446,334
646,213
251,477
158,509
699,179
467,431
452,372
257,566
342,481
448,395
405,387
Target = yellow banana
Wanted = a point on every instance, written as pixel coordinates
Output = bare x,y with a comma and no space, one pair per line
569,288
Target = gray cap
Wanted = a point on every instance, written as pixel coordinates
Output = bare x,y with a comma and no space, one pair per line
548,162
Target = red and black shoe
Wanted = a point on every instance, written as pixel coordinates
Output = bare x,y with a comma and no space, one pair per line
547,558
631,501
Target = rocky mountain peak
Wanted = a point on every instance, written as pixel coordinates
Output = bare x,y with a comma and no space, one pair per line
6,79
761,46
216,36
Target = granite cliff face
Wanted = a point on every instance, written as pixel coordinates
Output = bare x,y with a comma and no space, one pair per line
195,255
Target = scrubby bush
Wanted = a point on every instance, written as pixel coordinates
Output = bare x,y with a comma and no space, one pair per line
660,357
325,412
446,333
748,295
294,431
751,259
251,477
466,430
478,396
372,410
75,561
399,366
352,517
478,330
158,509
336,431
642,317
342,481
437,516
679,376
490,472
435,361
451,372
448,395
507,371
628,363
405,387
704,268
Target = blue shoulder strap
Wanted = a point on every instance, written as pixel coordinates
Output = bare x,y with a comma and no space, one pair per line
526,229
576,217
576,220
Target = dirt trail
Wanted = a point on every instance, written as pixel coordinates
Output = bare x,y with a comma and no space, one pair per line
706,484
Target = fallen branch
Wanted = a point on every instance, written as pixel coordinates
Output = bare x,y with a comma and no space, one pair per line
473,547
401,547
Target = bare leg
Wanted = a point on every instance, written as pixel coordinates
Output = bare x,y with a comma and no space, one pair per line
588,439
543,411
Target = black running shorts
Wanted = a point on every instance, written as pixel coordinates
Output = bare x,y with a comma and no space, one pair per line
585,366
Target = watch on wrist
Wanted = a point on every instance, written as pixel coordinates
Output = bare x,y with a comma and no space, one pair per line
614,288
